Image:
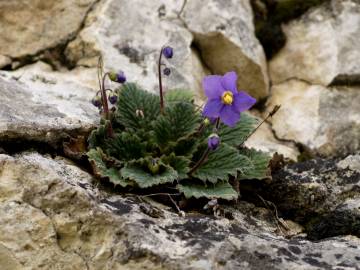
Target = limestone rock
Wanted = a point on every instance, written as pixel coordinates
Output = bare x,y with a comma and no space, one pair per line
129,38
54,216
4,61
27,29
323,194
263,140
38,106
322,46
225,35
327,120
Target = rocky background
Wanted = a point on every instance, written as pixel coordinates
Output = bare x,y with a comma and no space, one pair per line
304,55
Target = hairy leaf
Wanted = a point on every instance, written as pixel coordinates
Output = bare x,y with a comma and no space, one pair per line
221,190
257,166
98,136
221,163
176,95
236,135
136,108
179,163
125,146
141,173
179,120
96,158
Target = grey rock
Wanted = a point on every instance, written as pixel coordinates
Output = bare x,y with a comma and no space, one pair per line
129,38
317,116
225,35
321,194
44,109
28,29
322,46
55,216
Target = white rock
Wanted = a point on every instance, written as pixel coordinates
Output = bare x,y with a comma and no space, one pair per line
44,106
29,28
225,35
129,37
56,218
263,139
322,46
327,120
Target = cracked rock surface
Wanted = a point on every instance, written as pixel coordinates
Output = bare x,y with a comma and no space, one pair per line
325,119
225,35
28,28
54,217
321,194
322,46
44,109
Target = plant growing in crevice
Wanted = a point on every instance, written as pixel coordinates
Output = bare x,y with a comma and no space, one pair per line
166,140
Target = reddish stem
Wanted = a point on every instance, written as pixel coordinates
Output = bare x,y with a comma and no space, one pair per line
160,83
104,98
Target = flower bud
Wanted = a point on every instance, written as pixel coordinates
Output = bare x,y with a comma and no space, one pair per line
168,52
117,77
154,166
167,71
213,141
113,98
206,121
96,101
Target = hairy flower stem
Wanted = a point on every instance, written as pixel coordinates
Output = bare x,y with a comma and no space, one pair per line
271,114
206,153
160,83
200,162
105,105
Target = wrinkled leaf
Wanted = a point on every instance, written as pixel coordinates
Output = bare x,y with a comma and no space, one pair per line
136,108
221,163
257,166
236,135
140,173
179,163
96,158
221,190
179,120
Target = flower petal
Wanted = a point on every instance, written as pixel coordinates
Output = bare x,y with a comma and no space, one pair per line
212,108
229,80
243,101
229,116
212,86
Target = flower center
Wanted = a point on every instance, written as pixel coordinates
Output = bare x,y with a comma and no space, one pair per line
227,98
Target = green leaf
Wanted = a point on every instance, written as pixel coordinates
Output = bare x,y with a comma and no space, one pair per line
131,100
96,158
236,135
125,146
179,163
176,95
221,190
221,163
178,121
185,146
141,173
257,165
98,136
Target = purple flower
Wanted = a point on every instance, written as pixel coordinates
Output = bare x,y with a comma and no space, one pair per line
224,100
168,52
96,101
113,98
120,77
167,71
213,141
117,77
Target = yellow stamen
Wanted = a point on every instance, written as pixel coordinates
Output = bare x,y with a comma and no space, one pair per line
227,98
